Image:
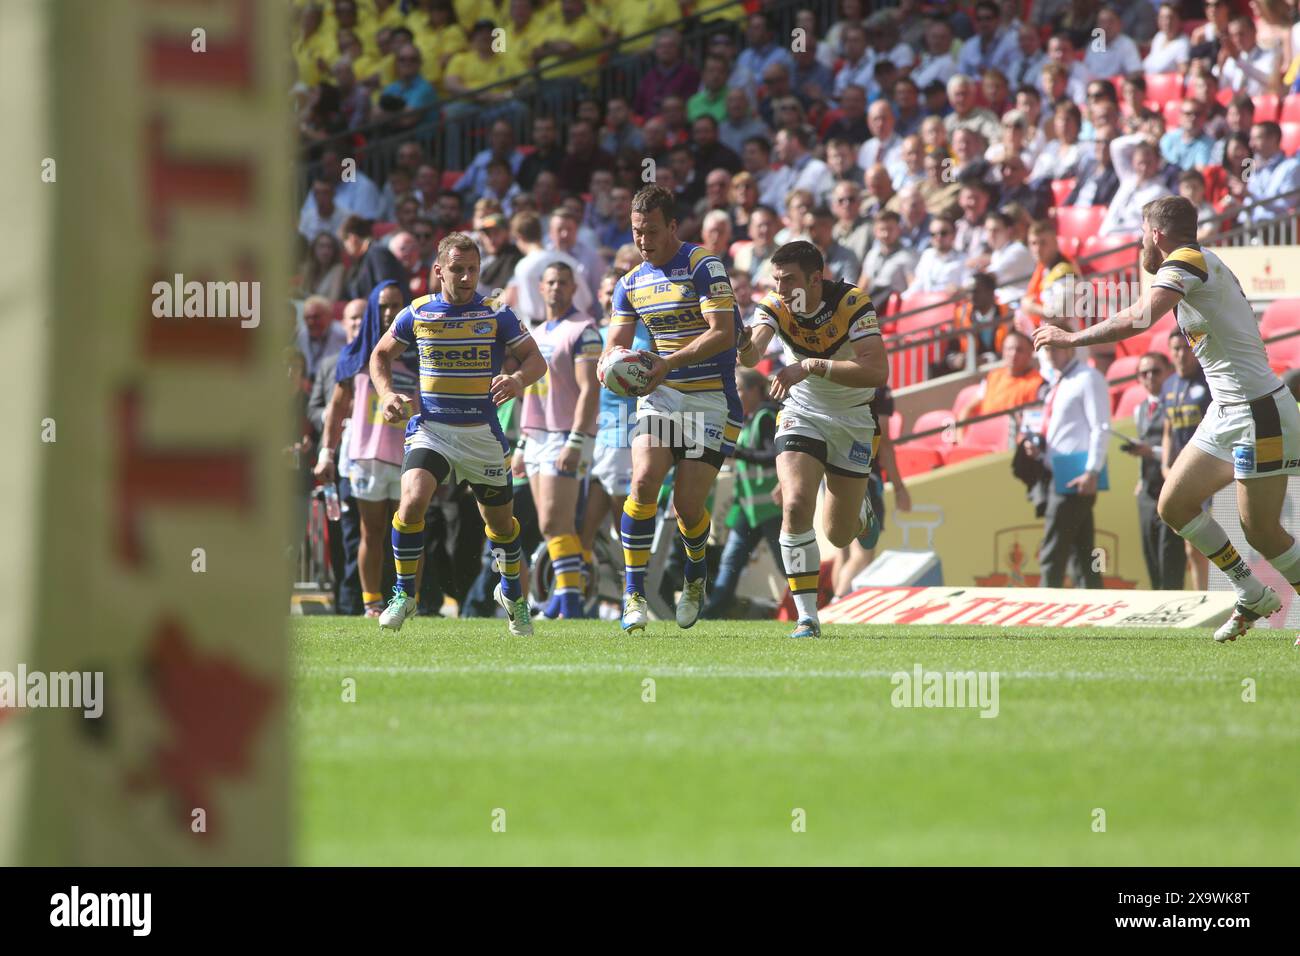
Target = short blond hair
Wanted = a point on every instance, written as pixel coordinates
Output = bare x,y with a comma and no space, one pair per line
457,240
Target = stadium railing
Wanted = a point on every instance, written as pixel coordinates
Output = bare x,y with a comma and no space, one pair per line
374,145
913,352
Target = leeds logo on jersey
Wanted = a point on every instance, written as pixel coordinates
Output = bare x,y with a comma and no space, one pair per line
717,269
482,328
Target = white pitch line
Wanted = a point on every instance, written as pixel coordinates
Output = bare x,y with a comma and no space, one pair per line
653,670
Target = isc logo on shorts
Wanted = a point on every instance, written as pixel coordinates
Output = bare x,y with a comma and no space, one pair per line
1243,458
861,453
493,472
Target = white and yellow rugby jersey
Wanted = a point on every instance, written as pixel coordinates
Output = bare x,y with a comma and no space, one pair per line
845,316
1218,323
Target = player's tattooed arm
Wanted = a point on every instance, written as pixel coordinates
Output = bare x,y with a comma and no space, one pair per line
1150,307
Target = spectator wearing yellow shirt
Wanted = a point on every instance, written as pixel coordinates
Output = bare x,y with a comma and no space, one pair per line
469,12
316,49
565,35
523,31
465,78
378,69
632,17
438,37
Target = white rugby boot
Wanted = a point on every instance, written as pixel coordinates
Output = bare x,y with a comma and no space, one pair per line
1244,616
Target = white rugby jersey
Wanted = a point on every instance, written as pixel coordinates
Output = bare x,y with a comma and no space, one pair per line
845,316
1219,325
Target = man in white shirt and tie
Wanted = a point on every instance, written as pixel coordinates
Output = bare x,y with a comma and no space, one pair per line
942,267
1113,53
1076,429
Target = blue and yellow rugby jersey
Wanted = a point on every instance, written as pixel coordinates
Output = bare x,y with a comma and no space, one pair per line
671,301
461,348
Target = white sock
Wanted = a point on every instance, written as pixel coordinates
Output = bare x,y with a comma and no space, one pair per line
802,565
1288,564
1208,537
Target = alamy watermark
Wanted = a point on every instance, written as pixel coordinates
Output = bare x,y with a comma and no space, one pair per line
79,690
922,688
208,300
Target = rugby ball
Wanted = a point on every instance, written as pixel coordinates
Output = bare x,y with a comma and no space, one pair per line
625,372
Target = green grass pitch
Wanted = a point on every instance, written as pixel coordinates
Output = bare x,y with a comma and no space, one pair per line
454,721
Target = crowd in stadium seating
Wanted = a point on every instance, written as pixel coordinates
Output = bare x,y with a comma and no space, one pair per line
959,157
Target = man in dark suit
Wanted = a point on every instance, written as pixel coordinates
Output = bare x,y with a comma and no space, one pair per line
373,260
1161,545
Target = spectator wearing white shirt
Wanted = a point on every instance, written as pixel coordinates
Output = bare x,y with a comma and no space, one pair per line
1243,65
859,67
1077,430
1273,175
1064,156
885,145
356,191
965,114
942,267
1115,54
1170,48
884,43
523,292
322,213
937,63
989,47
975,197
1008,259
1060,50
1026,65
888,263
799,170
1137,164
913,167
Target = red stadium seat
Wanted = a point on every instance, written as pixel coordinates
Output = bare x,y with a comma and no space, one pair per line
1282,315
380,229
1266,106
927,307
913,460
1290,109
1284,355
1121,258
1061,189
1164,86
1224,96
1159,335
1123,367
449,177
964,396
990,433
1132,397
1290,137
1189,26
939,418
337,309
1079,222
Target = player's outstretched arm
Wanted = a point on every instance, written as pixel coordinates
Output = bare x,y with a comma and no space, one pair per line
719,337
760,336
1150,307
